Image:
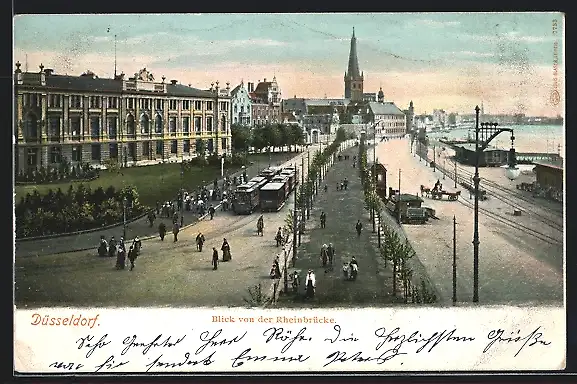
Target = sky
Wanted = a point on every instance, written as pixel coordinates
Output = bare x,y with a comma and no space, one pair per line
451,61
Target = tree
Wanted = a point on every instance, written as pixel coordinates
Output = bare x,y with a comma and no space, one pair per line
452,119
258,138
200,148
241,137
296,135
283,135
271,135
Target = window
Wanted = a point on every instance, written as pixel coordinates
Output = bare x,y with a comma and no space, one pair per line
197,124
112,129
223,124
113,150
185,105
75,127
112,102
210,145
172,126
146,148
55,155
223,143
54,101
198,146
209,105
130,126
186,147
159,147
198,105
209,124
32,156
144,103
186,125
159,104
75,101
158,124
144,124
172,104
94,101
223,105
31,99
94,127
173,146
77,153
54,127
130,103
132,151
95,152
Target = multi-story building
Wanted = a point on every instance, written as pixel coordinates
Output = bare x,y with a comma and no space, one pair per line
389,119
266,102
439,118
135,121
410,114
241,106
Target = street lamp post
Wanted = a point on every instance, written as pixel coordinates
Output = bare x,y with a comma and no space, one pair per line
374,181
454,260
124,217
488,132
310,194
399,209
444,169
182,192
455,161
434,158
295,229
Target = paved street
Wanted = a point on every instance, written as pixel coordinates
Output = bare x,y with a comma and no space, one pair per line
514,267
173,273
138,227
373,286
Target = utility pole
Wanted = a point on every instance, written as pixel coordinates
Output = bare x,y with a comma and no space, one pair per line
454,260
302,198
310,195
295,229
399,209
455,161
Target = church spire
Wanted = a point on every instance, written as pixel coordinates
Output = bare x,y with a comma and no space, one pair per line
353,69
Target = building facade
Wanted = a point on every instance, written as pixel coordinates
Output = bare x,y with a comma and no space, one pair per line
266,102
241,106
389,119
353,77
134,121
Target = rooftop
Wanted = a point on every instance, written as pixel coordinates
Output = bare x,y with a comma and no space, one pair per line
550,164
386,108
471,147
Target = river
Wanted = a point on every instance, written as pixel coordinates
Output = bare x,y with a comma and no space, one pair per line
528,138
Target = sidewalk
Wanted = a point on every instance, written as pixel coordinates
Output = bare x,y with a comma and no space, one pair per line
343,208
140,228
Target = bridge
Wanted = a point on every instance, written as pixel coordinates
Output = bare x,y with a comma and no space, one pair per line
530,157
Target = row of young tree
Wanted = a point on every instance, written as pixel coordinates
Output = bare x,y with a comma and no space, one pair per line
395,249
63,171
268,136
77,209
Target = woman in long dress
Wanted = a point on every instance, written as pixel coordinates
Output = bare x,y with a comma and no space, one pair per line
225,251
311,283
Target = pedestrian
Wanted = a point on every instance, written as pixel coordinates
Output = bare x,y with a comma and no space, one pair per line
278,237
162,231
200,241
157,207
323,219
359,227
132,255
214,259
226,256
324,255
175,230
331,251
211,211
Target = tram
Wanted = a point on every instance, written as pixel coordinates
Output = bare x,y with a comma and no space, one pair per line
246,198
272,196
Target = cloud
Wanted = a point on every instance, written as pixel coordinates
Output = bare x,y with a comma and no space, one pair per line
435,23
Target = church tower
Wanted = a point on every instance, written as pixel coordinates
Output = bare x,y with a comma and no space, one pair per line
353,77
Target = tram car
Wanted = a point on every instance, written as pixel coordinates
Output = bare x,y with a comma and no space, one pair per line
270,172
292,179
272,197
246,198
283,179
259,180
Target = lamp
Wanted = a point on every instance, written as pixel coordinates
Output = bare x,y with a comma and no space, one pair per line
512,171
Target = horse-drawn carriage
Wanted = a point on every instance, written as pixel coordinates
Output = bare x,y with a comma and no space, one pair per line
438,193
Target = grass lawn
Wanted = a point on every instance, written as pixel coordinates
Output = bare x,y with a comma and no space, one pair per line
155,182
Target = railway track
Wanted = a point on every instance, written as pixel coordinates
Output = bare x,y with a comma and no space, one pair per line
506,196
523,228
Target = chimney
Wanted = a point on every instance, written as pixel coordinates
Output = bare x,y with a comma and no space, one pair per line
173,82
48,71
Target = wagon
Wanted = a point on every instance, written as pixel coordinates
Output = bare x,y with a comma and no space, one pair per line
451,196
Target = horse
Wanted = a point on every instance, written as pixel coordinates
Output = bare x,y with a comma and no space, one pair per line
425,190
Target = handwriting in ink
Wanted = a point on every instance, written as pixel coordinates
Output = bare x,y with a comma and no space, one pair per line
212,341
110,363
131,341
417,338
157,363
338,335
66,366
245,357
282,335
342,357
86,342
497,336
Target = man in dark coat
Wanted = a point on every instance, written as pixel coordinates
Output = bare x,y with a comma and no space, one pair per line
175,230
214,259
211,211
359,227
331,251
323,219
162,231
